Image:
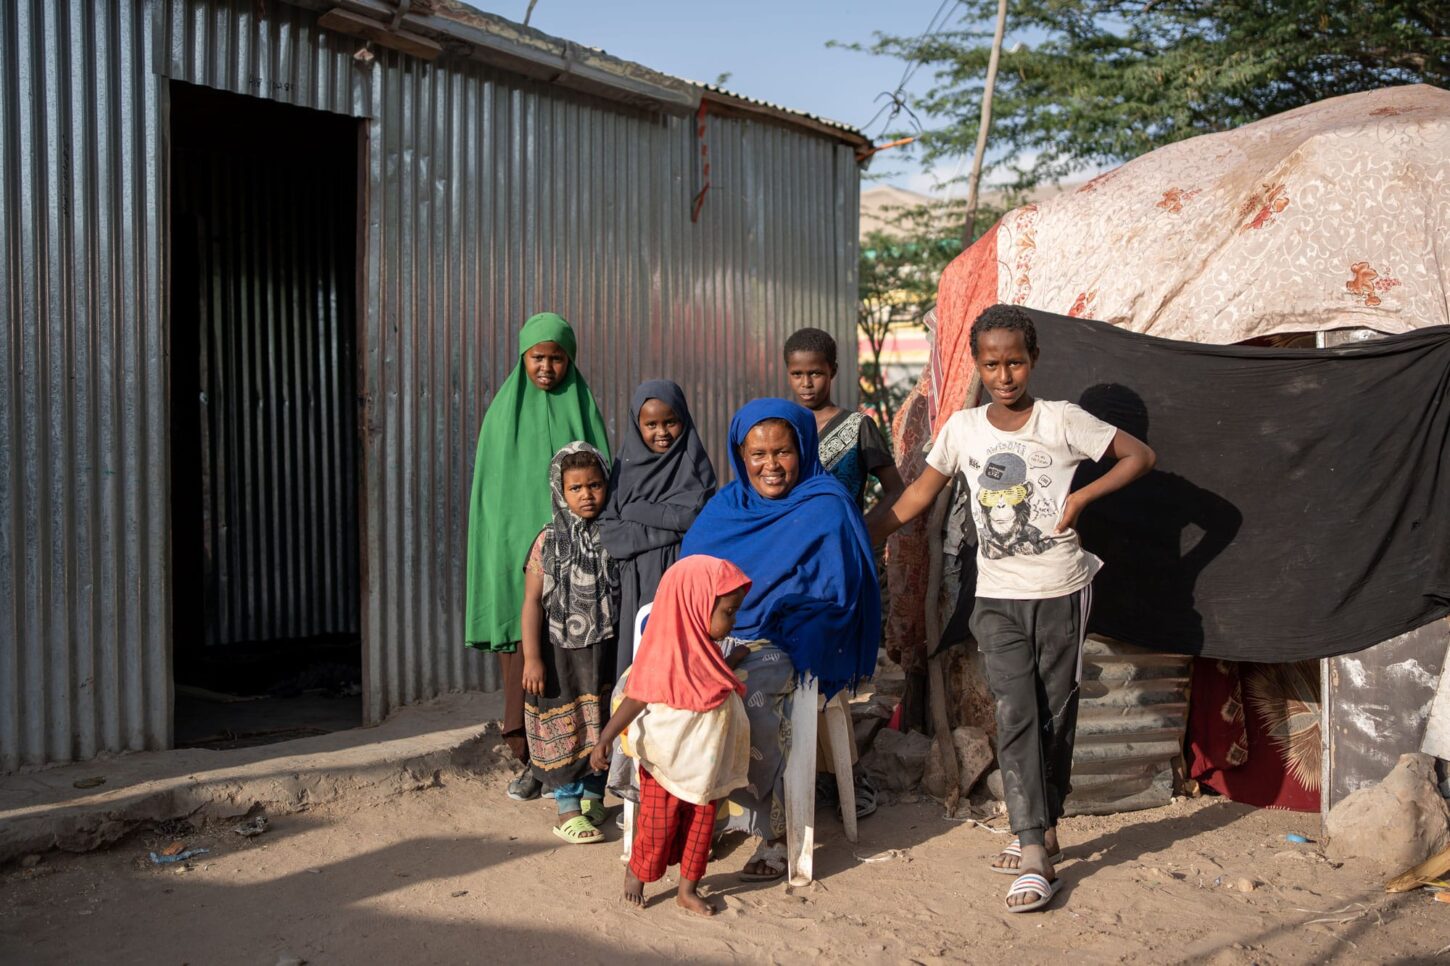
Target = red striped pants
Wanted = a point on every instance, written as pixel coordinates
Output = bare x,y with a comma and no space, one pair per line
669,832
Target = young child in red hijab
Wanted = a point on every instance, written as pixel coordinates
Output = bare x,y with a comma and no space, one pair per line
687,725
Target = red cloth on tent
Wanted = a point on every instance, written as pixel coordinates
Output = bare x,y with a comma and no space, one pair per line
1253,732
968,286
907,552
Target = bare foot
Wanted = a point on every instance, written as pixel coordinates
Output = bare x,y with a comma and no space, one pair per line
1034,859
1006,860
690,900
633,889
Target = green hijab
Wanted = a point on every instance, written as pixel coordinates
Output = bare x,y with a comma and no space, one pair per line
522,430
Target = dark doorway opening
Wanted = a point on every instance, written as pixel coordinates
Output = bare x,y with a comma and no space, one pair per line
264,452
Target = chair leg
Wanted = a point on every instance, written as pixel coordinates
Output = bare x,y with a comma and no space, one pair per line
628,829
800,785
640,617
839,728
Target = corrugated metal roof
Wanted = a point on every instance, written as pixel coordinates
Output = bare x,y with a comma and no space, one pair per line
572,64
850,133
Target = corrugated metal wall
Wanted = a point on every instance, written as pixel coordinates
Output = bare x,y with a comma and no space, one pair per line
487,198
501,199
1130,727
84,578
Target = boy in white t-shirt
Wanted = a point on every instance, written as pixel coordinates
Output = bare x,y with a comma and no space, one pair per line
1034,579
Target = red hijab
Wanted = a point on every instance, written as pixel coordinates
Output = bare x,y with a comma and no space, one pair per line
678,663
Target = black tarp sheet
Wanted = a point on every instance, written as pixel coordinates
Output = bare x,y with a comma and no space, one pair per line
1300,507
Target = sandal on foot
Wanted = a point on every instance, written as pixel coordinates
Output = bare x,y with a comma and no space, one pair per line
865,797
525,787
579,831
1030,883
594,810
773,857
827,794
1014,849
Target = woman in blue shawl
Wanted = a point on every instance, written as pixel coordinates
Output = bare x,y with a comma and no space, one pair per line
814,605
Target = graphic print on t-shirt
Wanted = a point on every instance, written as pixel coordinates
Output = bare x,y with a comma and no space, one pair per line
1019,483
1008,502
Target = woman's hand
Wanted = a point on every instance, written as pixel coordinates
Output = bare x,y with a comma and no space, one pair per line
533,676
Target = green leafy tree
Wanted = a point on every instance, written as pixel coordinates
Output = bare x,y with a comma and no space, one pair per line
1099,82
900,268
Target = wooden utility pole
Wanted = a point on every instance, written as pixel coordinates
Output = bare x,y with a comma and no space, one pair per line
969,230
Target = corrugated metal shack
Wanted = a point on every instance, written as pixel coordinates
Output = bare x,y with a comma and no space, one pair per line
266,227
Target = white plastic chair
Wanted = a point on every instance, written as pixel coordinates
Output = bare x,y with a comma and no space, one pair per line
629,806
800,776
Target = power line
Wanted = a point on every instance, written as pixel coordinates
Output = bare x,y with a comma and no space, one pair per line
896,99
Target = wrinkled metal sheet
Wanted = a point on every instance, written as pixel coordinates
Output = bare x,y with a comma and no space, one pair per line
1376,705
1131,723
488,197
84,579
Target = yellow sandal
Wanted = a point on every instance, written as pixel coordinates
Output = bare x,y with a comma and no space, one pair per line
579,831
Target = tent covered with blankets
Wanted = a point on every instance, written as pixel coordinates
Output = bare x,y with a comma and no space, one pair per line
1327,226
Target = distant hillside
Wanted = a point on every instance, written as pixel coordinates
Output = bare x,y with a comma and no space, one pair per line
880,205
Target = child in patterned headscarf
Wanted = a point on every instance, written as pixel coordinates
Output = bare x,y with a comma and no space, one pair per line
571,596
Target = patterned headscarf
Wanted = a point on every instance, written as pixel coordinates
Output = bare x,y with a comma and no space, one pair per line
581,586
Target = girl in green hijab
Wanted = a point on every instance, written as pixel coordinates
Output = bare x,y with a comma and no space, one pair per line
543,405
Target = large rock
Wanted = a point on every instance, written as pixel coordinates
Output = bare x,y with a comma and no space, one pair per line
866,730
897,759
1398,823
974,757
868,717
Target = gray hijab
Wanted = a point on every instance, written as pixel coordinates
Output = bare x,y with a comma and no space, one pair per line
580,587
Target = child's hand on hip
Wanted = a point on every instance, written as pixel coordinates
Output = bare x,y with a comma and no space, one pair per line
599,757
1072,508
533,677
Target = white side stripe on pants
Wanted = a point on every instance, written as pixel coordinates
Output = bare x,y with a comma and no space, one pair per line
1085,606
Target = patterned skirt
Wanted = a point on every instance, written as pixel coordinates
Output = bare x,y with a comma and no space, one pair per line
563,724
759,808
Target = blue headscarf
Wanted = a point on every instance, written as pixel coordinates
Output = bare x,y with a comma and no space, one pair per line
813,577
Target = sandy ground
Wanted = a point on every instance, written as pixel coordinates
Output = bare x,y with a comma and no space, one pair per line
460,874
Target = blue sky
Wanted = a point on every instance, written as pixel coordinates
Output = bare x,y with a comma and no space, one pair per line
775,51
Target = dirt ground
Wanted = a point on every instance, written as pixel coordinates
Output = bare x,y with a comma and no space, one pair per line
460,874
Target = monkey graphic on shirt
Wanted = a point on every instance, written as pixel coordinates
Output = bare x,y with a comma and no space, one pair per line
1004,510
